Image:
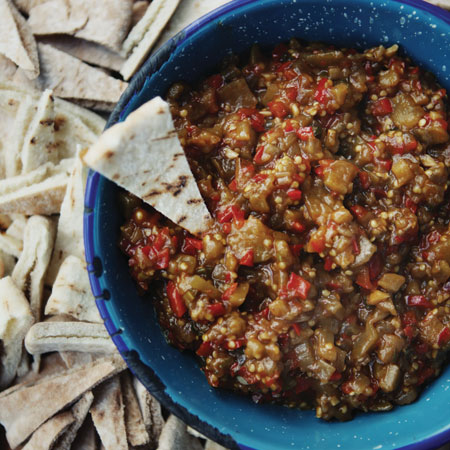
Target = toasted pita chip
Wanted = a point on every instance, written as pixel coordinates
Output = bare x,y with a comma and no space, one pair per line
17,227
144,156
105,22
151,411
16,40
45,337
69,238
139,9
195,433
87,51
7,263
65,389
10,245
175,436
71,78
79,411
186,13
47,434
39,143
134,423
7,68
86,438
71,293
15,320
33,262
44,197
74,359
5,221
210,445
107,413
143,36
441,3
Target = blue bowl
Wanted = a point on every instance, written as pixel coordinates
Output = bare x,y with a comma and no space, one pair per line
423,32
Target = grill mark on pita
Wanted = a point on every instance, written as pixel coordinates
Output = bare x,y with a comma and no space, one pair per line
176,188
193,201
169,135
58,123
181,219
152,194
116,176
33,140
46,122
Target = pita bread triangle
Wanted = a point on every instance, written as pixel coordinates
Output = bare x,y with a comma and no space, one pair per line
144,156
16,40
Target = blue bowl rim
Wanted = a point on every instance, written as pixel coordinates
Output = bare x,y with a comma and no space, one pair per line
143,372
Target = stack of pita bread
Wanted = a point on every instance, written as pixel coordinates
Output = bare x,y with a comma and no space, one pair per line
62,383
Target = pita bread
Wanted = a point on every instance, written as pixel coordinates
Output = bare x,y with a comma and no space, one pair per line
107,413
71,293
210,445
186,13
39,143
74,359
47,434
87,51
31,267
45,197
7,263
144,156
26,5
105,22
86,438
139,9
16,40
441,3
71,78
7,68
136,433
17,227
175,436
151,411
45,337
69,238
15,320
65,389
79,411
10,245
5,221
143,36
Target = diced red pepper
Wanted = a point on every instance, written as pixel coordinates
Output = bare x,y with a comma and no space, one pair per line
321,93
298,286
191,246
247,259
410,204
358,211
176,301
375,266
162,259
317,245
233,186
296,328
346,388
260,177
296,249
305,133
256,118
283,66
238,216
205,349
328,264
229,213
294,194
364,179
323,164
298,227
444,336
161,239
217,309
363,279
278,109
288,128
355,246
418,301
385,164
409,319
258,155
215,81
336,376
291,93
409,331
226,227
382,107
229,292
224,215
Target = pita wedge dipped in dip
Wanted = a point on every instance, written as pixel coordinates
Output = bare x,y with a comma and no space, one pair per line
144,156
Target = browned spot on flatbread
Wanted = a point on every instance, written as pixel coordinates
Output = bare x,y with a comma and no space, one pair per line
116,176
47,122
160,111
152,194
59,122
33,140
109,154
193,201
176,187
181,219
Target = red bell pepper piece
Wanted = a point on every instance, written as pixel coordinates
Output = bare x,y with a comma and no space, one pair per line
298,286
321,93
260,177
233,186
304,133
364,179
419,301
191,246
247,259
294,194
323,164
328,264
288,128
382,107
205,349
256,119
291,92
162,259
258,155
278,109
224,215
175,300
358,211
317,245
296,249
336,376
375,266
355,246
217,309
296,328
227,294
215,81
363,279
298,227
444,336
161,239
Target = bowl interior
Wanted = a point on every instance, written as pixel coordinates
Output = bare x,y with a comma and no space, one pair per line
131,319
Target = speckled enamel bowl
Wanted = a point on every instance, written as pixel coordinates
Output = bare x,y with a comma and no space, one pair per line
423,32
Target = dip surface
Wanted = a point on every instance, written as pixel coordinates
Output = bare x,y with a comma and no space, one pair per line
324,281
